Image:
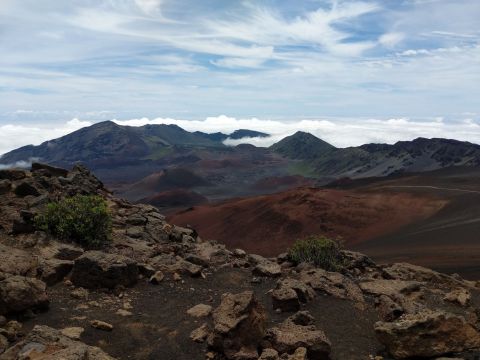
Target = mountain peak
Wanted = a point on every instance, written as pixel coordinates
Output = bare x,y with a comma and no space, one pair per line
301,145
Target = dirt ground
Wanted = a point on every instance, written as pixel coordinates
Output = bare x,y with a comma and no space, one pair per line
159,327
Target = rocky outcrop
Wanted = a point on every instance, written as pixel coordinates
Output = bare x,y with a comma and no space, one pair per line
239,324
427,334
267,268
19,293
96,269
458,296
44,342
17,262
297,332
290,293
333,284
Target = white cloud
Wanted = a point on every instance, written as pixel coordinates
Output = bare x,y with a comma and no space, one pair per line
392,39
149,6
341,132
14,136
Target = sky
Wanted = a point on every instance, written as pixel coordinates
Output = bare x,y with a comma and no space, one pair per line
348,71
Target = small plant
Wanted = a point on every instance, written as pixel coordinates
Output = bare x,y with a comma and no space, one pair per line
318,250
83,219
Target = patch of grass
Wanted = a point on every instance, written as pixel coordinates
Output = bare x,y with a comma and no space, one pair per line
83,219
318,250
301,168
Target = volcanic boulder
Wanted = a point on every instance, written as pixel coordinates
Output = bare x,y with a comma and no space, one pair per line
96,269
239,325
427,334
296,332
44,342
19,293
290,293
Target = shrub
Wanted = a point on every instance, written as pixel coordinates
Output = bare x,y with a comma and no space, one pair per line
318,250
84,219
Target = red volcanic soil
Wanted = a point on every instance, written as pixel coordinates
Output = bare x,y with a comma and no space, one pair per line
269,224
175,199
277,182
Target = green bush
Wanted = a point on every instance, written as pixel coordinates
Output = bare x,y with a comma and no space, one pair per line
318,250
84,219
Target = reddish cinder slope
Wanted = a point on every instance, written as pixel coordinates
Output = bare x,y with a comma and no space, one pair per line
175,198
269,224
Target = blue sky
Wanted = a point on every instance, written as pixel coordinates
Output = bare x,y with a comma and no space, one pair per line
341,61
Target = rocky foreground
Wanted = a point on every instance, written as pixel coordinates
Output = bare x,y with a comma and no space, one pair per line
158,291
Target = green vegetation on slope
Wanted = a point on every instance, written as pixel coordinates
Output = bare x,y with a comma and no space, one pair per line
318,250
84,219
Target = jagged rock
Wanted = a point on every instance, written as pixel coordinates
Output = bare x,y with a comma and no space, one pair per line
3,344
239,323
83,181
136,220
269,354
73,333
303,318
391,288
289,336
19,293
402,292
200,310
101,325
239,253
12,331
135,232
157,278
459,296
17,262
256,259
409,272
427,334
12,174
198,260
5,186
3,320
388,309
356,260
96,269
171,263
299,354
25,188
50,170
53,271
290,293
43,342
333,284
267,268
200,334
146,270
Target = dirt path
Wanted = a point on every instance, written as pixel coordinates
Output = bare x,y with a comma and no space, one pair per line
432,187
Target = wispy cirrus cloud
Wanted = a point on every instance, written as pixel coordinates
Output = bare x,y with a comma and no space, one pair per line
271,59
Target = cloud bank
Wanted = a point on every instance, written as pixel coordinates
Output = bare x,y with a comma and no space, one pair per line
13,136
341,132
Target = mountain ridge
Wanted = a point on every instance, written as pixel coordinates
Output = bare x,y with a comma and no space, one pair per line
124,155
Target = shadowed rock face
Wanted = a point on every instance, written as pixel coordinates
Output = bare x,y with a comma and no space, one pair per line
95,269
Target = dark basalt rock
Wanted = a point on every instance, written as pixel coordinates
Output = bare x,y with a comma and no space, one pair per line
96,269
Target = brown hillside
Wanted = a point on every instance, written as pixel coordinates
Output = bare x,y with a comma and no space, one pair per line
269,224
